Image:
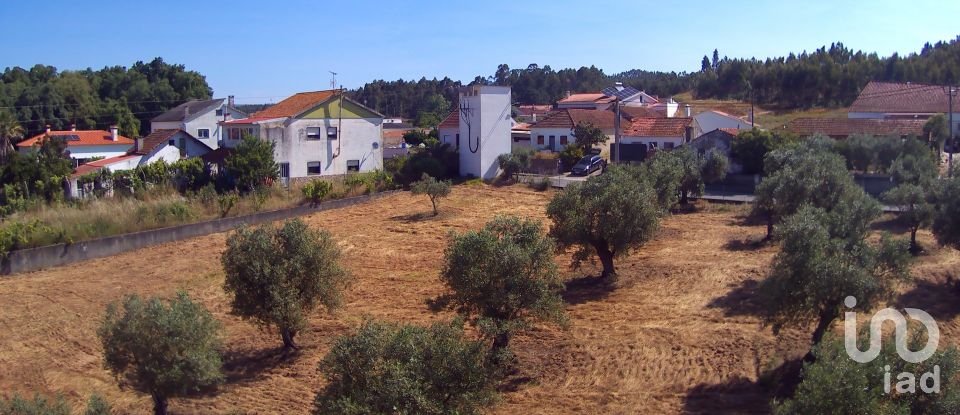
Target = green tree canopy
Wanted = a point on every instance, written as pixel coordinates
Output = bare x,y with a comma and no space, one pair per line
405,369
588,135
751,147
608,215
251,164
433,188
278,276
165,350
503,277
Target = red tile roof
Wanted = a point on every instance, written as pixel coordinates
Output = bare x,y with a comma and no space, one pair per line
452,120
569,118
843,127
154,139
393,137
84,138
96,165
529,110
901,98
295,104
588,97
658,127
248,121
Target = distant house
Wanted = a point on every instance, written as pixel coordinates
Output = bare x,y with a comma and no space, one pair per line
317,133
644,135
449,129
85,144
555,130
587,101
720,139
844,127
199,118
532,113
889,100
711,120
628,97
520,133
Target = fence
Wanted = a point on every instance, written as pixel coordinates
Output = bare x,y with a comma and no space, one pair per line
32,259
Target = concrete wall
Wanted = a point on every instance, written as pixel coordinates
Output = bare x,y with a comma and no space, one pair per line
26,260
360,139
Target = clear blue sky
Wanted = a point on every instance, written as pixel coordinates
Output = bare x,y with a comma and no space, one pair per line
265,50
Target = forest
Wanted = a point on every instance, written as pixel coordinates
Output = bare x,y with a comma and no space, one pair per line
127,97
830,76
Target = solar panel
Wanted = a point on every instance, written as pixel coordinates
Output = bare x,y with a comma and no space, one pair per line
622,92
69,137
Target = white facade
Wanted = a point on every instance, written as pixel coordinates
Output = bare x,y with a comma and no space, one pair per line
102,151
550,138
708,121
659,143
204,125
485,128
450,136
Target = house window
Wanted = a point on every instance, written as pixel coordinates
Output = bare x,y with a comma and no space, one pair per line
353,165
332,133
313,168
203,133
234,133
653,145
220,113
284,170
540,140
668,145
172,142
313,133
458,140
563,140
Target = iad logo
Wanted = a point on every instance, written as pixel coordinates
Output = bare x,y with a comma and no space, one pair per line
906,381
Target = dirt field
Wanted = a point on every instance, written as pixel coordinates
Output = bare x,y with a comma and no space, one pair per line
676,335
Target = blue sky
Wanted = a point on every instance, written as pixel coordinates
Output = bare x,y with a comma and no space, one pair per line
263,51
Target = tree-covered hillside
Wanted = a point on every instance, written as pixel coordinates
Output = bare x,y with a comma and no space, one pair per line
128,97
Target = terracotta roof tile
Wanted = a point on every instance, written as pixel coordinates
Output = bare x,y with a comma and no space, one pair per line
96,165
569,118
154,139
295,104
452,120
83,138
658,127
901,98
588,97
843,127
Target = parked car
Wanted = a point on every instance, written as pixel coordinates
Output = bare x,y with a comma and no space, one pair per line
587,165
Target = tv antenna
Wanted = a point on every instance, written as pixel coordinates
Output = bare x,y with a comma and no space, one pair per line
333,80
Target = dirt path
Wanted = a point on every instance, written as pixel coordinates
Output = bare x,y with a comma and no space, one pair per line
676,335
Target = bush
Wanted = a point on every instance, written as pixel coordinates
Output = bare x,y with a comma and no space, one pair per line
435,159
164,350
251,165
39,405
514,163
277,277
434,189
226,202
190,174
387,368
540,184
13,235
751,148
569,156
316,190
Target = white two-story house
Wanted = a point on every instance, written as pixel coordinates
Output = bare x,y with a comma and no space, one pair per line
317,133
199,118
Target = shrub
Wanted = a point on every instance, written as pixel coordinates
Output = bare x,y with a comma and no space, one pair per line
316,190
404,369
434,189
435,159
502,278
278,276
39,405
226,202
514,163
569,156
251,165
166,350
540,184
190,174
609,214
13,235
751,148
97,406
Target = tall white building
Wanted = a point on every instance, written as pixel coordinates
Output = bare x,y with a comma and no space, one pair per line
484,131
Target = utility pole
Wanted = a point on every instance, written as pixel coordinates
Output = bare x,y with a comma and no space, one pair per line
951,91
333,80
616,129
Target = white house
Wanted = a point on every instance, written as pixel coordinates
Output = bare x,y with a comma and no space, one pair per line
317,133
201,119
710,120
653,134
890,100
449,129
555,130
84,145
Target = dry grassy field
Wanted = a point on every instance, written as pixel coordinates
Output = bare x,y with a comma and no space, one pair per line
677,334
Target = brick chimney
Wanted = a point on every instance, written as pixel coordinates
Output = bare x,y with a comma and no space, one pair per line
73,127
114,133
48,128
230,101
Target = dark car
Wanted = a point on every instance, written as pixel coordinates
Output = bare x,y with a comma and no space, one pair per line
587,165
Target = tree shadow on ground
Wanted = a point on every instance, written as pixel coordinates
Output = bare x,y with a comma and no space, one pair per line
588,288
749,219
938,298
416,217
241,366
748,244
742,300
744,396
890,224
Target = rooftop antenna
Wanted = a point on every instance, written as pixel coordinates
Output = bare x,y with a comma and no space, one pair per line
333,80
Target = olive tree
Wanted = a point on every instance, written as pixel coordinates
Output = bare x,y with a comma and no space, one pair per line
587,135
823,259
433,188
915,174
946,219
502,277
405,369
278,276
836,384
607,215
165,350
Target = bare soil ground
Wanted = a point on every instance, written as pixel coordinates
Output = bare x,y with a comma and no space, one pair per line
677,333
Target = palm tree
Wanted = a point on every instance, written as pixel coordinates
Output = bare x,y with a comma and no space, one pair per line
10,131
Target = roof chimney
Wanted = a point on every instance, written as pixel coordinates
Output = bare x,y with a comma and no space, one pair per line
566,94
139,144
534,117
73,127
114,132
48,128
687,109
230,101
